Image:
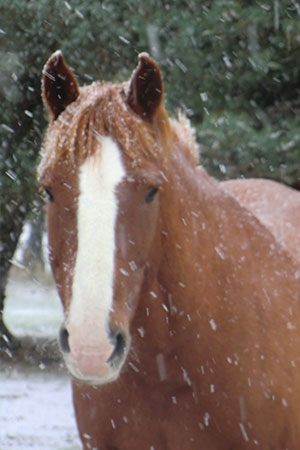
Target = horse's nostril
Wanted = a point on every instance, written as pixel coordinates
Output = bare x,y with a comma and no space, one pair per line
119,341
64,340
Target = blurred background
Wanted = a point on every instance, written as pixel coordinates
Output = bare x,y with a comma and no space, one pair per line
231,65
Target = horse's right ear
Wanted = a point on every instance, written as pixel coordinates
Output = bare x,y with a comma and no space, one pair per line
145,94
59,85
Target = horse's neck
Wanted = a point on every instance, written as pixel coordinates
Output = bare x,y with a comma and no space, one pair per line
190,216
206,233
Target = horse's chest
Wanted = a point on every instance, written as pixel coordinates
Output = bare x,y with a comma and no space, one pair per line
131,418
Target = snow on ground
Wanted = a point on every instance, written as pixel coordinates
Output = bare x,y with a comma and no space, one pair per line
32,307
36,410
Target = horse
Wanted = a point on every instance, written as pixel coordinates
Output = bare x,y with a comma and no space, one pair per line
181,308
277,206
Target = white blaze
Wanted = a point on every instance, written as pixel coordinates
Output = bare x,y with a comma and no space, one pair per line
93,276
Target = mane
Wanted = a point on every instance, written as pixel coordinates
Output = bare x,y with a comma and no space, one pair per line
101,110
185,135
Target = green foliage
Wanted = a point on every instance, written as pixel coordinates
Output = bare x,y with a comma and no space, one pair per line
233,146
234,65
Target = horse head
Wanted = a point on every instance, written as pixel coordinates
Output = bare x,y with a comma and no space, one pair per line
102,170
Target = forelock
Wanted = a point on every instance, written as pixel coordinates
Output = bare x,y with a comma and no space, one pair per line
101,110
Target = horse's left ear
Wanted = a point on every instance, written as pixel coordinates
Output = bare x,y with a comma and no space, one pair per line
59,85
145,93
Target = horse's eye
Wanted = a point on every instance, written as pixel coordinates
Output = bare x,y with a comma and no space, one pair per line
49,194
151,194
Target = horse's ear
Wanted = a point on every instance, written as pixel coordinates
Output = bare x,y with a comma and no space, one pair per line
145,93
59,86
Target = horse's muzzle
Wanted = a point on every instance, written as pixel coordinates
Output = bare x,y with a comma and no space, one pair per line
94,362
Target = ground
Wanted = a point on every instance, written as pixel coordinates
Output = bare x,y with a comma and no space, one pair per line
36,410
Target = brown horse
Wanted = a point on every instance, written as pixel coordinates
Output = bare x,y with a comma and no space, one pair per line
182,311
277,207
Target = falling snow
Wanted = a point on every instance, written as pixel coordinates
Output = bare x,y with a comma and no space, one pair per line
124,272
220,253
132,265
153,294
161,366
133,367
244,432
186,376
141,331
213,324
206,419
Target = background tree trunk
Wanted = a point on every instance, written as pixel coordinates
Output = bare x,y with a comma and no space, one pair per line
33,257
11,223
